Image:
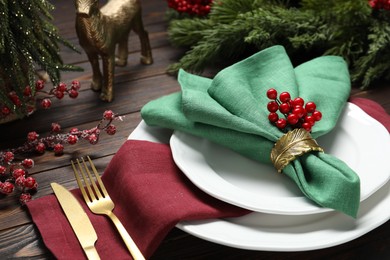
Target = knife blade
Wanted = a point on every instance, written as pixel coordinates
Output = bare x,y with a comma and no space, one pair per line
78,219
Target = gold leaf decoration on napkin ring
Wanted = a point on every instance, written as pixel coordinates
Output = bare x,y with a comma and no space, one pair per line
292,145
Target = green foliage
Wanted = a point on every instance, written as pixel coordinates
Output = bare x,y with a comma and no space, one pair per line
237,28
28,42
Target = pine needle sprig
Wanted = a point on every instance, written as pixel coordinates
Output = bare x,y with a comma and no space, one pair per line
28,42
348,28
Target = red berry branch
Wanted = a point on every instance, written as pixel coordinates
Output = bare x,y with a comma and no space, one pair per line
13,173
31,96
296,113
192,7
380,4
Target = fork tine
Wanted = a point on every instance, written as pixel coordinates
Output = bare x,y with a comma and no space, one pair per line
92,179
79,183
86,182
99,180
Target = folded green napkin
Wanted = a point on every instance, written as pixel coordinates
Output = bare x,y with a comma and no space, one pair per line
231,110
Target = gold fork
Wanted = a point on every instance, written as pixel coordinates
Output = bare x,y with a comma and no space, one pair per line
99,202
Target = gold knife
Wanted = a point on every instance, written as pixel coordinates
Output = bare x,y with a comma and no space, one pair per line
78,219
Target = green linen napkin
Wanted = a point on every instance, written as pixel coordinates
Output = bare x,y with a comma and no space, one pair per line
231,110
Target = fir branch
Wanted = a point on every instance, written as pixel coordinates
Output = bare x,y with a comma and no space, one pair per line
347,28
28,39
225,42
374,64
188,32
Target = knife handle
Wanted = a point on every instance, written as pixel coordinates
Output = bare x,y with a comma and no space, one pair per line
91,253
130,244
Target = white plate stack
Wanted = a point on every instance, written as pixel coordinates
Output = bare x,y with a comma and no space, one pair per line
283,219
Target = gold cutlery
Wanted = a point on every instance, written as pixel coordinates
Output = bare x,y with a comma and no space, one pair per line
78,219
99,202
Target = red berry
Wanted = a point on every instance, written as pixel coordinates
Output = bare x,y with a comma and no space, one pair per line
5,110
273,117
284,97
28,163
306,126
27,91
55,127
111,129
7,188
59,94
39,84
58,149
46,103
299,111
75,85
40,147
15,99
18,172
284,108
317,115
272,94
8,157
74,131
73,93
108,115
298,101
19,182
281,123
24,198
30,109
93,138
61,87
3,170
32,136
72,139
272,106
310,107
30,183
292,119
310,120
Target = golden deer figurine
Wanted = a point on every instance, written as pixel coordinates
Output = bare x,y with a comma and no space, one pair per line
99,31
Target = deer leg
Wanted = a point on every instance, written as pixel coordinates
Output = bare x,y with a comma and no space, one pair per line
107,93
121,58
96,83
143,35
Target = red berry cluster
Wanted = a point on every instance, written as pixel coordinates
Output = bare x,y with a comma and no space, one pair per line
192,7
297,114
59,91
30,96
380,4
56,141
16,174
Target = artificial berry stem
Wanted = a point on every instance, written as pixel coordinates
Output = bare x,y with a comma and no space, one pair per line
191,7
297,114
14,175
39,95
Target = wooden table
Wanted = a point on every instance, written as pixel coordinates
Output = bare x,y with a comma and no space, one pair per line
135,85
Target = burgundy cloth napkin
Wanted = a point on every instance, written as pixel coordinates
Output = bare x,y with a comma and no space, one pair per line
151,196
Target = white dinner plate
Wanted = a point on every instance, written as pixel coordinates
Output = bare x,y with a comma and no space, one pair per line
359,140
270,232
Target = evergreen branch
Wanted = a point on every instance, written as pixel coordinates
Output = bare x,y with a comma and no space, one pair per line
223,43
187,32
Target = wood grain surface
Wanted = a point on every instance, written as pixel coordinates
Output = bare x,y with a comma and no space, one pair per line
136,84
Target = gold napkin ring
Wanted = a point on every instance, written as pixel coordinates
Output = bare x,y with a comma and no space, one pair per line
292,145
